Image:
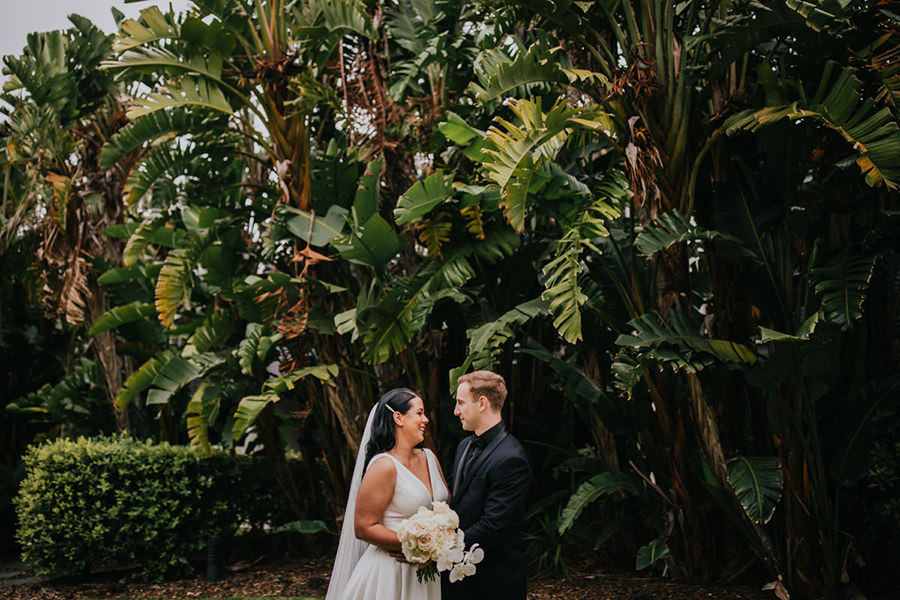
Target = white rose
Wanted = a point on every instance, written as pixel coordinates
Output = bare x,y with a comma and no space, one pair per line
426,542
417,529
442,519
440,545
403,533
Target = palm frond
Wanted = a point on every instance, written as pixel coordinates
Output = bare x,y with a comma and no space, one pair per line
672,228
819,15
142,378
423,197
173,375
173,287
140,239
187,92
368,194
155,27
757,483
843,285
373,245
346,16
563,291
675,340
602,484
499,74
515,152
887,69
627,371
149,129
255,346
250,407
486,341
390,323
474,223
200,414
563,283
408,23
214,331
318,231
434,232
162,164
120,315
839,104
455,129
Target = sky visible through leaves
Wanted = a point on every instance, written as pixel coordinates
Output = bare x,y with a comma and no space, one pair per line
20,17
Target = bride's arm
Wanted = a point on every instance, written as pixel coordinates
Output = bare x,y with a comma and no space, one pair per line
375,493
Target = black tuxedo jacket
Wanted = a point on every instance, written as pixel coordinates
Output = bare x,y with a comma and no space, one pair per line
491,503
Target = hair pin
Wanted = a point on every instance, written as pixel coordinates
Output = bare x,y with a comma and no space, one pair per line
388,406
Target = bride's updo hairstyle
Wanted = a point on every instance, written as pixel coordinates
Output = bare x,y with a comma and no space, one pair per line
383,436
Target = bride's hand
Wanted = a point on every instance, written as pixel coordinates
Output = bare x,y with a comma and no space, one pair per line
398,556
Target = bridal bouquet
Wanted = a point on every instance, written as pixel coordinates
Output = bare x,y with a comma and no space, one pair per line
432,538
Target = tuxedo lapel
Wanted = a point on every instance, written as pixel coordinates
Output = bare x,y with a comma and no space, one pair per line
459,488
457,469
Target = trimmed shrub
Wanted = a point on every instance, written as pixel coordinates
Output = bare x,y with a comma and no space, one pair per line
116,501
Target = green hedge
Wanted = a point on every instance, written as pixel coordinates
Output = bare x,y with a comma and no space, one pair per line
109,502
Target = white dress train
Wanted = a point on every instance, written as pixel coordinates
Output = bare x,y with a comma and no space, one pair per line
378,575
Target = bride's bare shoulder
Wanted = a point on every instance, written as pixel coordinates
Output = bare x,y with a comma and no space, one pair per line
381,470
382,464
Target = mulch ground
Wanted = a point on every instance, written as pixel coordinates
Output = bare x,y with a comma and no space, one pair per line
308,577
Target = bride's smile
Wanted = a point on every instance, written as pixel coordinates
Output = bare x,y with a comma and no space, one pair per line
412,424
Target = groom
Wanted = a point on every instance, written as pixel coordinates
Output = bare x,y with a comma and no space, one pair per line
489,491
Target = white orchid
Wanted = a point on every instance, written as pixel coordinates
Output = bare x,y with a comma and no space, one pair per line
475,555
432,538
460,571
449,558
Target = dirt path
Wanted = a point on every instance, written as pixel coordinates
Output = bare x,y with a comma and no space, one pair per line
288,576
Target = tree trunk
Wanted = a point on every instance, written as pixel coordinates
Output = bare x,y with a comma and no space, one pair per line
268,428
115,368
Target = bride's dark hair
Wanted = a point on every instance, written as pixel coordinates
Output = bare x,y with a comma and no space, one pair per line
383,437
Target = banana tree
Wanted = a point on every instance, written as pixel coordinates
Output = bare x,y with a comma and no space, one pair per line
670,81
61,112
709,284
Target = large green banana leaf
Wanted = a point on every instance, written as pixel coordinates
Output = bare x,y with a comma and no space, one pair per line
839,104
757,483
602,484
250,407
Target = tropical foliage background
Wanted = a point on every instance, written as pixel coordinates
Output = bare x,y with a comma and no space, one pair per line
672,226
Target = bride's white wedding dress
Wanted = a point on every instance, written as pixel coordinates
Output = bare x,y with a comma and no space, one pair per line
378,575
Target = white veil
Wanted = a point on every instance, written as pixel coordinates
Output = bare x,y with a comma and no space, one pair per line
350,548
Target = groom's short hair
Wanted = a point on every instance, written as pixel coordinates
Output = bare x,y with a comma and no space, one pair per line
487,384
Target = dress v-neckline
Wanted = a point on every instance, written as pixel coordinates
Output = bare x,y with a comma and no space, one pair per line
428,487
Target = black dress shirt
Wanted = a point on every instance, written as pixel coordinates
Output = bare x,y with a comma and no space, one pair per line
477,445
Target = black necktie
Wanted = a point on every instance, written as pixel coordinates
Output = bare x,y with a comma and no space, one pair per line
475,448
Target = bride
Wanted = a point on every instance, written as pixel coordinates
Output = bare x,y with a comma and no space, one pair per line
393,477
